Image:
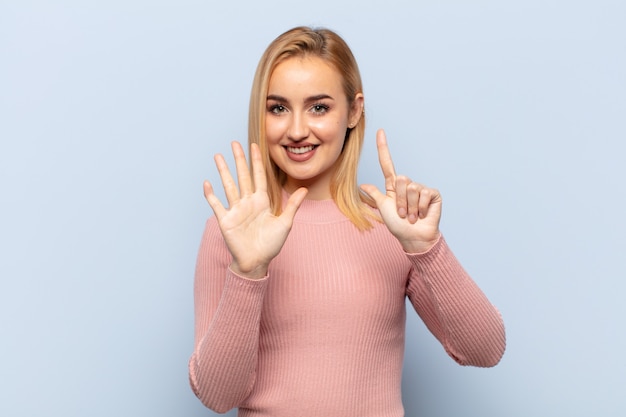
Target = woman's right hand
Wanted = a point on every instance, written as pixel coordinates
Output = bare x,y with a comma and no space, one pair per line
253,234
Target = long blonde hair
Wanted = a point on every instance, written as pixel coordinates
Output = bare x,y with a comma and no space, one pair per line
327,45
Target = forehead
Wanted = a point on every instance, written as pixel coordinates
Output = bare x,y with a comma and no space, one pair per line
309,72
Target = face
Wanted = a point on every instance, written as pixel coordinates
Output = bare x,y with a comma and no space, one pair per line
307,116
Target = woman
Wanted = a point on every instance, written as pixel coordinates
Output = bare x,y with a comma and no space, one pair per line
301,282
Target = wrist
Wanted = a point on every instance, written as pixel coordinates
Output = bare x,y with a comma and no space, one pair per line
420,246
255,272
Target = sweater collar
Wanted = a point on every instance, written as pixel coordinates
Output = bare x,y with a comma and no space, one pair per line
317,211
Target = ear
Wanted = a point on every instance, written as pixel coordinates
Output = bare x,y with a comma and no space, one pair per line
356,110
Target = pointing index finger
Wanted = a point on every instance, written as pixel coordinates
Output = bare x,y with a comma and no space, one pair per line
384,158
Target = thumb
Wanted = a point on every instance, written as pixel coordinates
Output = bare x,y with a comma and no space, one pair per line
373,192
293,204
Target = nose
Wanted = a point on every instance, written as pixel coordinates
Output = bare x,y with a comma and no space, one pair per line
298,128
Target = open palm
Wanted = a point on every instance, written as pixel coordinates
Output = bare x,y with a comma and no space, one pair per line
253,234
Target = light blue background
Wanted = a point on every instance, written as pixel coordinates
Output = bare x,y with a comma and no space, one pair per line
111,111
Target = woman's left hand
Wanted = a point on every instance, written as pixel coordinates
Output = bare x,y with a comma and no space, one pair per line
410,210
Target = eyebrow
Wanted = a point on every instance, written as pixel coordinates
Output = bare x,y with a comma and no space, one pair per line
317,97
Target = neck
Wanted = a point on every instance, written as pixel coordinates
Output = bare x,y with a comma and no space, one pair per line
316,190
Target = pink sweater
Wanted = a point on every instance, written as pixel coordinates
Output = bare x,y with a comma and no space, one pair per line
323,334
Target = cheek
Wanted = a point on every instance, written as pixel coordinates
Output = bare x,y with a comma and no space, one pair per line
272,130
330,129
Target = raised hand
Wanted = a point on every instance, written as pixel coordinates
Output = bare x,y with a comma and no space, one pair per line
253,234
410,210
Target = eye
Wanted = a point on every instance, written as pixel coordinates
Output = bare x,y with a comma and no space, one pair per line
319,109
277,109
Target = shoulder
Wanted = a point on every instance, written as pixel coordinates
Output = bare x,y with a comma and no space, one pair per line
212,235
212,228
213,253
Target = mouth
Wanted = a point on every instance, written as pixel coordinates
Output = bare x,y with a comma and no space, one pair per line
300,149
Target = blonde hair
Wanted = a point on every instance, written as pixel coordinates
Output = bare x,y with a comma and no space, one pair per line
327,45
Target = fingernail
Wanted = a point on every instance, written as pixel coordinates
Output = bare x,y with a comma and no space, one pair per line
402,212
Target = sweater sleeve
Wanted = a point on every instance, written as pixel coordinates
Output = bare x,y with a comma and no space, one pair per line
454,309
227,319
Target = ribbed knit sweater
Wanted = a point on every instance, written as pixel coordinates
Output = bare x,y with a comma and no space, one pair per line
323,334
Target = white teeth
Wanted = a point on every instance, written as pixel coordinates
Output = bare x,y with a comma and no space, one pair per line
301,149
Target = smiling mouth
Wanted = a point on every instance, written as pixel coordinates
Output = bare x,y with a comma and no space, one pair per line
300,149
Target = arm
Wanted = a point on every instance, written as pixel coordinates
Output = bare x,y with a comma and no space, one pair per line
227,316
231,278
454,309
452,306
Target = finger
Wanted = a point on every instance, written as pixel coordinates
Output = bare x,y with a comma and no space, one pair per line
413,200
294,202
384,158
401,195
243,172
258,170
230,187
213,201
427,198
373,192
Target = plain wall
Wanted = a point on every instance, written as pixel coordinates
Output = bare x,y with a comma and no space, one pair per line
111,111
